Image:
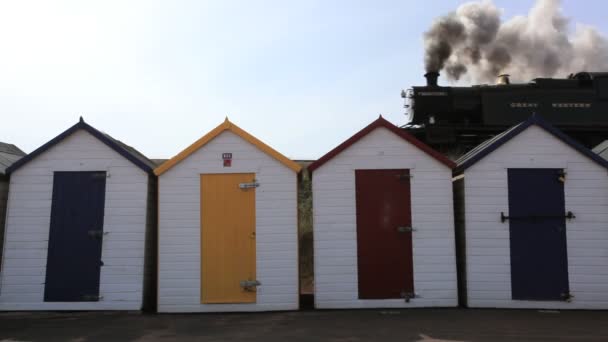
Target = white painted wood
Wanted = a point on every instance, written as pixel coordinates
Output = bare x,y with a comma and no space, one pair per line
28,221
335,237
3,201
276,228
487,239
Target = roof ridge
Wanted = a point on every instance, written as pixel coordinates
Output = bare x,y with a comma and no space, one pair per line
226,125
381,122
131,154
490,145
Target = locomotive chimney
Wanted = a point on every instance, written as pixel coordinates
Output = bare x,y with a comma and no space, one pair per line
503,79
431,78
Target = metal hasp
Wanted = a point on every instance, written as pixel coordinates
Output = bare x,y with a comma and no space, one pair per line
250,285
403,229
569,215
253,184
409,295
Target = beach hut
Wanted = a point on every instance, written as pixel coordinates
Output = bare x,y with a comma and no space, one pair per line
533,225
383,224
9,154
80,223
228,226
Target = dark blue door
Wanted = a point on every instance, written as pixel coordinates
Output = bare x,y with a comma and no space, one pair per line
539,261
74,255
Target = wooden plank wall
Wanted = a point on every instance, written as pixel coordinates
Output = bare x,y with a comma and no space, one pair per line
3,200
276,228
334,215
487,239
28,220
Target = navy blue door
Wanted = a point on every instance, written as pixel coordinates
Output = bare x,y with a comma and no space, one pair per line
74,255
539,261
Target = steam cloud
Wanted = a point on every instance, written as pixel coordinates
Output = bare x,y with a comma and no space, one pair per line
473,43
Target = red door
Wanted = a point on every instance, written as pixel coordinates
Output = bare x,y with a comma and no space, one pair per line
384,238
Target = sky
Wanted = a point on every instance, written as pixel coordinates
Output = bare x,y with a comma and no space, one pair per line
302,76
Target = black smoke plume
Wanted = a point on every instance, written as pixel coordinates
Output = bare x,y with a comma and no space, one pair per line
473,43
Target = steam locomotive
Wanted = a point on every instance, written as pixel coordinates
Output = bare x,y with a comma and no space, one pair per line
455,119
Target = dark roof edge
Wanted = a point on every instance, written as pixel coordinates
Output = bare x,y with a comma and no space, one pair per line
381,122
94,132
516,130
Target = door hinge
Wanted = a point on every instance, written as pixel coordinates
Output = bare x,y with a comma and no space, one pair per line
253,184
409,295
250,285
95,233
405,229
404,176
91,298
562,176
567,297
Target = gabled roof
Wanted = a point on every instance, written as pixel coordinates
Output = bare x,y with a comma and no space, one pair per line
491,145
9,154
381,122
227,126
123,149
602,149
159,161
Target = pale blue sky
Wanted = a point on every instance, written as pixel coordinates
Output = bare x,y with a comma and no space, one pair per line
300,75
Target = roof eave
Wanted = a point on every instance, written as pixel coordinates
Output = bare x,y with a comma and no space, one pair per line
90,129
226,126
516,130
381,122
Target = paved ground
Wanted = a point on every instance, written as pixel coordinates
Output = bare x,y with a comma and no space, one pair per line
342,326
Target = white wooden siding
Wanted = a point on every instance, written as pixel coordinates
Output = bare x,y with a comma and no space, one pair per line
487,239
335,231
276,228
3,200
28,221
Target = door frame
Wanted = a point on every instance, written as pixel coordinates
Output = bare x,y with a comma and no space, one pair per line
513,219
52,248
408,281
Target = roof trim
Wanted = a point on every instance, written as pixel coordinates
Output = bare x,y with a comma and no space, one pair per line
468,160
381,122
226,126
94,132
601,148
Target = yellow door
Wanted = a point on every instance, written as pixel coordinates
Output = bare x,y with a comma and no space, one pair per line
227,238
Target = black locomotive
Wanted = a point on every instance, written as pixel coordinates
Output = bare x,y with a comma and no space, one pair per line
455,119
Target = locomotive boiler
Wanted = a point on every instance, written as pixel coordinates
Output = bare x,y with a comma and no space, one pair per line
454,119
